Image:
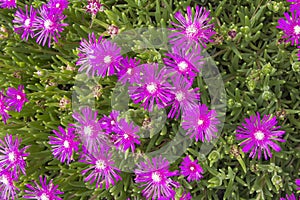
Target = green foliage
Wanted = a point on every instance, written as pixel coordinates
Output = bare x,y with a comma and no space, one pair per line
260,75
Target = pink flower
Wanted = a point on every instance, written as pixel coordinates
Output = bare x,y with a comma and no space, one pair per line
16,97
298,184
8,4
64,144
290,27
3,107
192,29
259,135
45,191
129,71
154,176
7,187
201,123
191,169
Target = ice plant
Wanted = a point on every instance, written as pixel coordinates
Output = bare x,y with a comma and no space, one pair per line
298,184
108,58
64,144
153,87
8,4
23,22
57,6
295,6
289,197
186,62
154,176
126,137
101,168
201,123
259,135
185,98
7,187
191,169
129,71
88,54
290,27
16,98
94,6
43,191
186,196
3,107
110,123
192,29
48,25
89,129
11,157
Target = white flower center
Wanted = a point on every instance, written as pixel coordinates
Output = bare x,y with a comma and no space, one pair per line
112,122
11,157
179,96
152,87
44,197
107,59
4,180
19,97
66,144
87,130
296,29
191,30
27,22
259,135
182,66
129,71
200,122
126,136
192,168
100,164
48,23
57,5
156,177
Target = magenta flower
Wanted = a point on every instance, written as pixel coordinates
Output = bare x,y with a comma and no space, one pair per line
57,6
192,30
260,135
94,6
89,129
110,123
153,87
290,27
191,169
298,183
108,58
24,22
49,25
295,6
185,98
129,71
101,170
11,157
88,54
289,197
155,177
64,144
8,4
126,137
44,191
184,61
16,97
186,196
201,123
7,187
3,107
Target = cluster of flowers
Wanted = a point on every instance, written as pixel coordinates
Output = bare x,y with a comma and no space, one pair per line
291,26
12,164
45,26
13,100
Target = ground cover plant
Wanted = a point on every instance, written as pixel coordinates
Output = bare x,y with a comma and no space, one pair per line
136,99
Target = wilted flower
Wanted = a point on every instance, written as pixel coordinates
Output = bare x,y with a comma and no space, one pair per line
64,144
259,135
192,29
155,177
201,123
42,192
